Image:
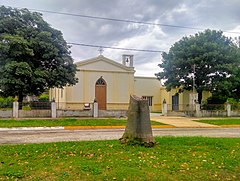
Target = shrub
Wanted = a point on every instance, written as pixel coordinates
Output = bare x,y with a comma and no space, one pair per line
235,104
43,98
215,102
26,108
6,102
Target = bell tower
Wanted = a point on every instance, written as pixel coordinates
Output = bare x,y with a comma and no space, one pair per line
127,60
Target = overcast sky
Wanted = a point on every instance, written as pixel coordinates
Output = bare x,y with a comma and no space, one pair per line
213,14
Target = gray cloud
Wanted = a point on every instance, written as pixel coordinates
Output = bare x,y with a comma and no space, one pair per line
213,14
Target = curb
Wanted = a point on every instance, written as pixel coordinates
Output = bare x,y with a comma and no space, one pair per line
230,126
216,127
110,127
32,128
106,127
92,127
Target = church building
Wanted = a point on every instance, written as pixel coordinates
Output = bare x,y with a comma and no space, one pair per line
110,84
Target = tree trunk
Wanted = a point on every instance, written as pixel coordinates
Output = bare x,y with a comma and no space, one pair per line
138,129
199,96
20,100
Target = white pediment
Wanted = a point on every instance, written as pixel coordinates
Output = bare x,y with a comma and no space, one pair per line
102,63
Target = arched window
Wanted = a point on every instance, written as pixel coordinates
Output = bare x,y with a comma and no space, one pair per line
101,81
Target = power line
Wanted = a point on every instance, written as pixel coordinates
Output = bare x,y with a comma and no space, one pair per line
115,19
115,48
123,20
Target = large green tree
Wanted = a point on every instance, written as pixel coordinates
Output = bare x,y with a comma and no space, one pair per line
33,55
230,86
206,61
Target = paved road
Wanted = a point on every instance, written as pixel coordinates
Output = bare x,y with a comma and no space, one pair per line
58,135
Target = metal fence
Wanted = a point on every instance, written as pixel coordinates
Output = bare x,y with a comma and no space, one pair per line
35,105
207,107
212,107
180,107
235,107
206,110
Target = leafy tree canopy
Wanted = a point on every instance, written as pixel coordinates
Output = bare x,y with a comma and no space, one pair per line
33,55
210,57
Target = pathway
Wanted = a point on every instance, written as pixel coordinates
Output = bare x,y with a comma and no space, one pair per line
181,122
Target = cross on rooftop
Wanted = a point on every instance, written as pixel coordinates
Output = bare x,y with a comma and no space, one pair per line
100,50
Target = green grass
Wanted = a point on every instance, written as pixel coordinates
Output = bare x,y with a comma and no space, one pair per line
174,158
226,121
65,122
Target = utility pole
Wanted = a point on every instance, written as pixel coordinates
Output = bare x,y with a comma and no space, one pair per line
193,93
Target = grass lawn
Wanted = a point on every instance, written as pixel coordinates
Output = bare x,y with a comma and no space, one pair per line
66,122
174,158
225,121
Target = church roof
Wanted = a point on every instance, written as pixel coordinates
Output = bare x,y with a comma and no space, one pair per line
103,59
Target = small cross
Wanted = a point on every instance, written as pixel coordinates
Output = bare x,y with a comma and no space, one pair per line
100,50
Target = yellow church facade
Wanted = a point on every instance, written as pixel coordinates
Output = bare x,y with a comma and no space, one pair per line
111,83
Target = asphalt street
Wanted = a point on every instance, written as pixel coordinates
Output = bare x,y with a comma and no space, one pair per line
28,136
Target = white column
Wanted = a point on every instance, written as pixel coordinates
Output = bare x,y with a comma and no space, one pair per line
95,109
15,109
54,109
228,110
198,110
164,109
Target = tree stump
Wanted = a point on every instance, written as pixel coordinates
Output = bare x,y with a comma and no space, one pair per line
138,129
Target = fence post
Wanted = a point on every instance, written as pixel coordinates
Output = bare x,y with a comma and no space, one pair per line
15,109
54,109
164,108
228,110
198,110
95,109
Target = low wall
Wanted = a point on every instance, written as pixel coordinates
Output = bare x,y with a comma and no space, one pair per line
235,113
112,113
6,113
205,113
62,113
89,113
74,113
214,113
34,113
